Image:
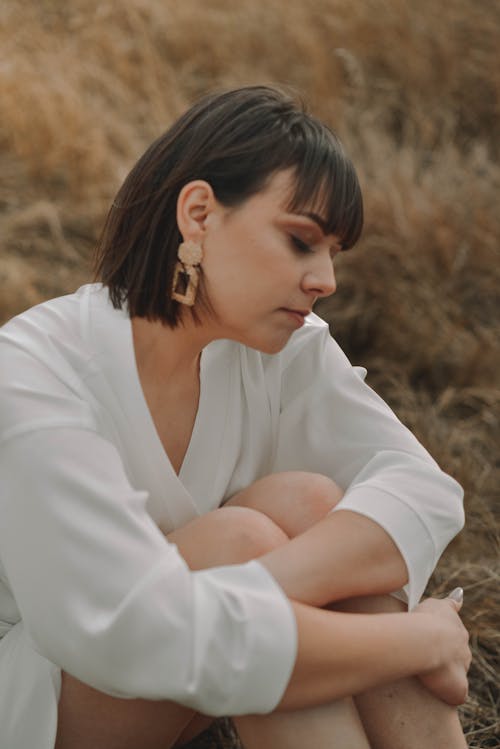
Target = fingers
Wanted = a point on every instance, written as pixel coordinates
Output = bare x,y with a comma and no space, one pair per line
457,596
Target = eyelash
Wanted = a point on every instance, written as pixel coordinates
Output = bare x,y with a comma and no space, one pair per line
303,247
299,244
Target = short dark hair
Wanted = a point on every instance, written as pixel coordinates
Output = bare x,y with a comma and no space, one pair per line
235,140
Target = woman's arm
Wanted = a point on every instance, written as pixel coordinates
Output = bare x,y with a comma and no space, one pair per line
332,423
300,503
339,654
346,654
343,555
297,502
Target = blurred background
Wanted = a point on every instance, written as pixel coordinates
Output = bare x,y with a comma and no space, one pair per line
413,90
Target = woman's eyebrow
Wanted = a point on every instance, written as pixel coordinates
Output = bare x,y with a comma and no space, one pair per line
321,223
317,220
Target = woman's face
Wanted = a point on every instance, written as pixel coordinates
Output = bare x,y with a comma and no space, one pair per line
265,267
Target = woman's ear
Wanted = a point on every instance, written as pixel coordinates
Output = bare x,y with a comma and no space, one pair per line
195,203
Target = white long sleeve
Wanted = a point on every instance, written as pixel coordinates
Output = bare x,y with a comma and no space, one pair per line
85,487
104,596
333,423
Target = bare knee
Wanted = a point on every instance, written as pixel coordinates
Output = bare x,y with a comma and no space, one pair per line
250,532
229,535
294,500
321,493
310,497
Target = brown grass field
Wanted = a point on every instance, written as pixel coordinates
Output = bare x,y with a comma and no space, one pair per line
413,89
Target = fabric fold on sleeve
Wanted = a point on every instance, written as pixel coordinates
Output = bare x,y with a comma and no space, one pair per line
259,660
113,603
333,423
398,492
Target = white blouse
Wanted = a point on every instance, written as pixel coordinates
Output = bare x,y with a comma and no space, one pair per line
87,492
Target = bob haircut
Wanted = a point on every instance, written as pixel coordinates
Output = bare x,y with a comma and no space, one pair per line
236,141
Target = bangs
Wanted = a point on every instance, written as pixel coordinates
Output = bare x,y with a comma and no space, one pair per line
327,184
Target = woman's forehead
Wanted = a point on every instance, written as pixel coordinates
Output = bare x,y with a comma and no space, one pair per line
285,186
324,198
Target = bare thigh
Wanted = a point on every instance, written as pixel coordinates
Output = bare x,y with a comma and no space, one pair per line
89,719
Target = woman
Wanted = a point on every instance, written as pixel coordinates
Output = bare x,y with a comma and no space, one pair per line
165,428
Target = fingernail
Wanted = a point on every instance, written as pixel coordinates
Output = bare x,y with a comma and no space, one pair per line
457,595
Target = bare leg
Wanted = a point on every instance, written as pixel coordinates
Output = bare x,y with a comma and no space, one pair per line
323,727
404,715
89,719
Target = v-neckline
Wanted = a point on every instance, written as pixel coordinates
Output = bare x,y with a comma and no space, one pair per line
198,471
111,331
149,416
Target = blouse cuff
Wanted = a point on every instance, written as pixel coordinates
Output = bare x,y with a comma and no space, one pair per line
262,646
405,528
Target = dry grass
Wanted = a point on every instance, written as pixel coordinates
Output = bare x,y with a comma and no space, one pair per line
412,88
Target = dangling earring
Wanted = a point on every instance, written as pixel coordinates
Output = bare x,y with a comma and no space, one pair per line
187,273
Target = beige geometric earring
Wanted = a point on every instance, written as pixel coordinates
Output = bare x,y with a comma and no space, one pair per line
187,273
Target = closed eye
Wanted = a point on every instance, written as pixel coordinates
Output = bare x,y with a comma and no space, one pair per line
299,244
304,248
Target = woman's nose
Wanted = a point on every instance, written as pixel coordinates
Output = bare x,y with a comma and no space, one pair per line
321,279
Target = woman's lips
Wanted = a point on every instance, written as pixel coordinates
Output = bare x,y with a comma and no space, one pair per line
297,315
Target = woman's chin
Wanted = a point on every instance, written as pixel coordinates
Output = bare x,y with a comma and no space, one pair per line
267,341
270,346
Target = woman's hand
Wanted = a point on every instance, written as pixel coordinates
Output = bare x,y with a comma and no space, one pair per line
448,680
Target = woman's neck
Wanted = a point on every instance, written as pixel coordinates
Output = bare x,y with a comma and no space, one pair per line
162,352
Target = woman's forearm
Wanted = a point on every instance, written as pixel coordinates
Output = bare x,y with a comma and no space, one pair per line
343,555
345,654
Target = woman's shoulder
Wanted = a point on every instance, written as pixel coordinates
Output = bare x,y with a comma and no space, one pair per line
44,355
51,317
57,323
